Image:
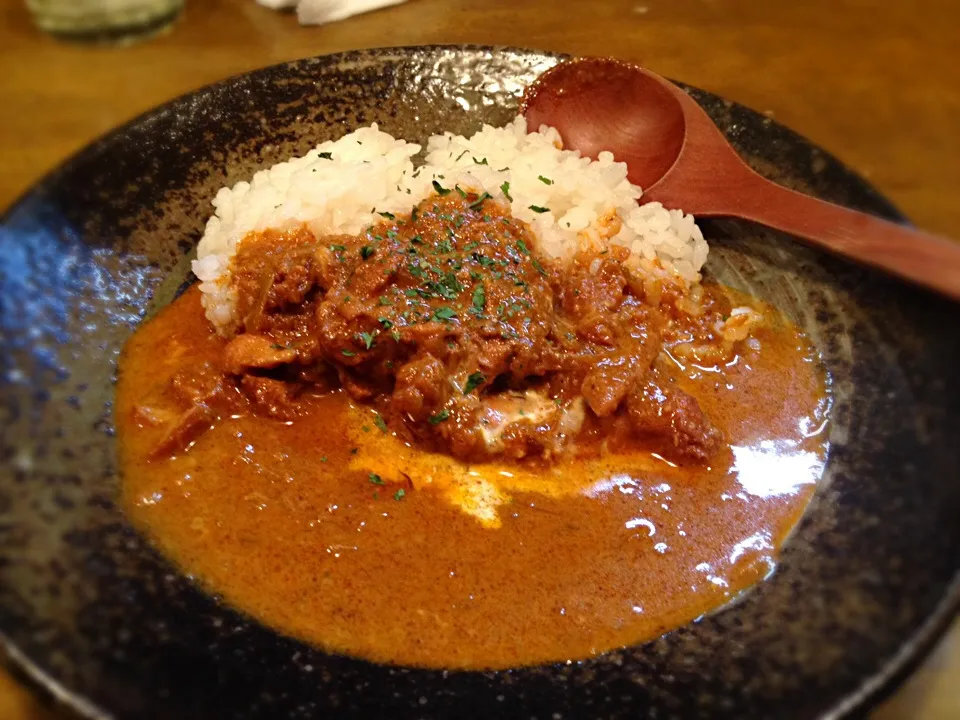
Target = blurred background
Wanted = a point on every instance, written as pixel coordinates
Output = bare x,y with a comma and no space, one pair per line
872,81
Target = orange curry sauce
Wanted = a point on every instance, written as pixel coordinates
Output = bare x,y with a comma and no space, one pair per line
280,519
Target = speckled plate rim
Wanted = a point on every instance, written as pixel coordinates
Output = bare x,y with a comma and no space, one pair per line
857,703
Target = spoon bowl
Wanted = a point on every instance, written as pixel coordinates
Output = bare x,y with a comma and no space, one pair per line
609,93
675,152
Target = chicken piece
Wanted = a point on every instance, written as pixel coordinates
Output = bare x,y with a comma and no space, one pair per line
421,387
255,351
188,427
274,398
515,423
675,418
605,387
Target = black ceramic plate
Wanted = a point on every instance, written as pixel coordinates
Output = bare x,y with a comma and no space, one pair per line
91,612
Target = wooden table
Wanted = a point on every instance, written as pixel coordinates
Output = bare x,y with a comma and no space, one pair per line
874,81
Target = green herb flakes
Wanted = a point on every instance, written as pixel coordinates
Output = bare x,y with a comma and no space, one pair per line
478,203
439,417
479,299
474,380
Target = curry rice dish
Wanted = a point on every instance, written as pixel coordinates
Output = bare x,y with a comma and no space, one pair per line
480,413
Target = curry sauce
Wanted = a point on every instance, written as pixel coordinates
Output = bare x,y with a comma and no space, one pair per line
330,528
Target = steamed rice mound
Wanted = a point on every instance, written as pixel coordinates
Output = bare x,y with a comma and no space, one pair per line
343,187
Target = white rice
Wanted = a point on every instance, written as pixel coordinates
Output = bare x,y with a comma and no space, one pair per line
338,188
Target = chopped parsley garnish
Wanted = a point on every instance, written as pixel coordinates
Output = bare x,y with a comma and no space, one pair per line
376,479
539,267
396,336
505,189
410,292
387,215
544,180
277,346
413,213
384,300
326,155
416,240
338,248
478,203
439,417
474,380
457,159
444,246
522,247
386,322
366,251
538,209
379,422
347,353
398,495
367,339
416,270
450,281
441,190
480,162
440,289
444,313
461,191
479,299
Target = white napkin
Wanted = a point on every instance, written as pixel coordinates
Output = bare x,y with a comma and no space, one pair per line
317,12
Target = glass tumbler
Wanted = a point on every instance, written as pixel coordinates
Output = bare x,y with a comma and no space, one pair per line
107,21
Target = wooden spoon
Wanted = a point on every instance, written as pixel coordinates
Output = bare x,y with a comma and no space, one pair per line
679,157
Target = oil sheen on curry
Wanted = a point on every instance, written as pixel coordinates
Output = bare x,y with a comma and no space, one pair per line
432,444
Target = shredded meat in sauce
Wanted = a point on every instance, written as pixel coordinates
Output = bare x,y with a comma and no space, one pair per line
462,336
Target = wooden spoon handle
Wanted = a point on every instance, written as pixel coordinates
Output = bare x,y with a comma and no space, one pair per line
928,260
